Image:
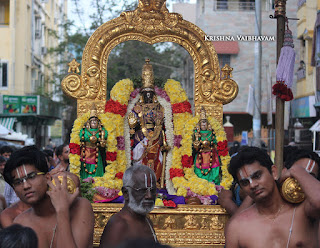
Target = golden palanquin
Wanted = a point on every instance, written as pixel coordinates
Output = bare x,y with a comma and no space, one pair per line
187,225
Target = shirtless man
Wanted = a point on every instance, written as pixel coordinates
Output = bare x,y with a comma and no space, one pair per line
308,160
8,215
271,221
139,191
60,219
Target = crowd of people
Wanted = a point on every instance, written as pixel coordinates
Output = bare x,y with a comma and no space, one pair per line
38,210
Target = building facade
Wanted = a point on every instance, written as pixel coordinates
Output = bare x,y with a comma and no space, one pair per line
304,109
230,25
26,31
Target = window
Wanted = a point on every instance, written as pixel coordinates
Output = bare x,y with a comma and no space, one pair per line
317,54
38,27
224,59
246,5
222,4
203,6
4,12
3,74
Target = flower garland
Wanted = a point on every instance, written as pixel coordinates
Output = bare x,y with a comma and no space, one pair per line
112,120
182,172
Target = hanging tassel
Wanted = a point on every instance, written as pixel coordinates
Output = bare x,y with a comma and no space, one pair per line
282,88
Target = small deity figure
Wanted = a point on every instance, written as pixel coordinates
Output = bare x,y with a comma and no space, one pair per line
206,159
191,223
146,122
93,138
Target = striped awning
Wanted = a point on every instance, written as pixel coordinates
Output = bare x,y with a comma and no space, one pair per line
7,122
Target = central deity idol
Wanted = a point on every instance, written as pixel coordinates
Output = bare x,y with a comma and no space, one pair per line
146,122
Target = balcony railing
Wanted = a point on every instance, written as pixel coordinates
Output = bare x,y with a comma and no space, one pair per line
224,5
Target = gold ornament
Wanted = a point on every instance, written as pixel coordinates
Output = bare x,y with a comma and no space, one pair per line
93,111
147,77
291,191
71,186
203,115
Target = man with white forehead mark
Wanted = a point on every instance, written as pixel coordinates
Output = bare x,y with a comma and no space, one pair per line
59,218
139,191
271,221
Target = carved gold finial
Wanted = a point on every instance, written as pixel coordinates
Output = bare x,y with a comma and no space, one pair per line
73,66
152,5
203,115
147,76
93,111
227,71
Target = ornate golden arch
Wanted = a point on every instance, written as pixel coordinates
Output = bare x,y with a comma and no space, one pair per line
151,23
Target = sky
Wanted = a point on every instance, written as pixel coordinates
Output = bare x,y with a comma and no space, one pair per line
85,7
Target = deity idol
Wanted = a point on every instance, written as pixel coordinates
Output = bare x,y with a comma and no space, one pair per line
93,137
206,159
146,122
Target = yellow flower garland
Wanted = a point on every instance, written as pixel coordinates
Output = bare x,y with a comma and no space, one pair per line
185,129
113,123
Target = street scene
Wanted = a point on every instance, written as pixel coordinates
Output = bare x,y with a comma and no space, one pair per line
159,123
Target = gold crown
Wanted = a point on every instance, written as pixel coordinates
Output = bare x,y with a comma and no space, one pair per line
93,111
147,76
203,115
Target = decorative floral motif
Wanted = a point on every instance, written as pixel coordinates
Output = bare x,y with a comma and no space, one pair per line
222,148
120,142
121,91
74,148
183,107
169,203
187,161
174,172
119,175
111,156
177,140
115,107
281,90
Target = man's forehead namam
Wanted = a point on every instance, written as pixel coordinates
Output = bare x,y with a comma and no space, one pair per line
143,179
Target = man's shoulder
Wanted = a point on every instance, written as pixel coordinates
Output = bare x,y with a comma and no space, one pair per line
81,204
22,217
245,215
120,220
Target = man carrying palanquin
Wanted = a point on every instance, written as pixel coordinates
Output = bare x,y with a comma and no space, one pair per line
59,218
146,122
139,191
272,221
93,138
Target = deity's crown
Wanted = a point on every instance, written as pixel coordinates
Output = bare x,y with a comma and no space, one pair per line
147,77
93,111
203,115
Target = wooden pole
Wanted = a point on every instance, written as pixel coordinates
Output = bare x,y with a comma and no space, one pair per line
280,14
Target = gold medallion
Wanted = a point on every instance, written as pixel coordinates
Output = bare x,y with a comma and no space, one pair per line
291,191
93,139
71,186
